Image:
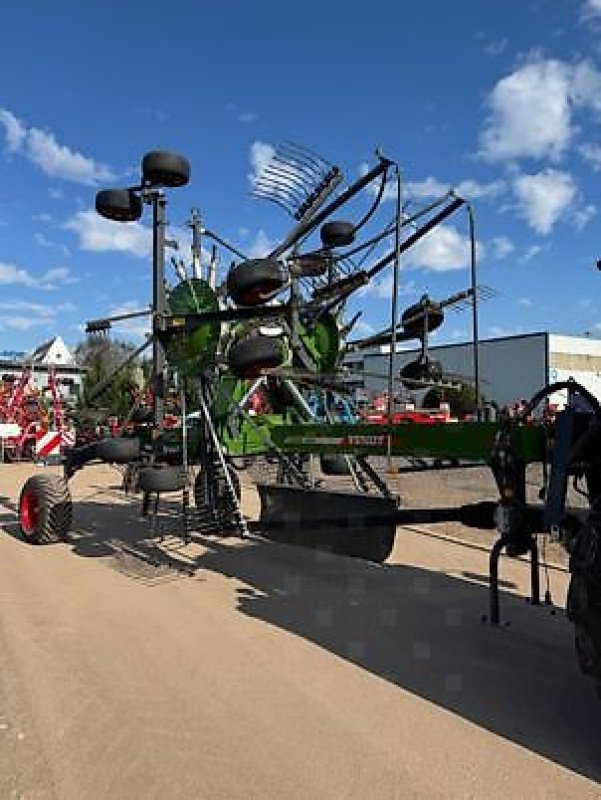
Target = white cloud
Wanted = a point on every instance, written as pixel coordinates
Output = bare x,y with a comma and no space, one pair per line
135,329
501,247
430,187
23,315
20,323
381,288
584,215
44,242
101,235
529,113
533,251
261,154
39,309
442,249
13,275
246,117
544,197
10,274
495,48
57,276
260,246
54,159
592,154
14,131
591,9
526,302
473,190
362,328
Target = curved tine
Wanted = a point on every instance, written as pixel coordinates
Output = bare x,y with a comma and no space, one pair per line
305,152
295,166
290,179
295,158
272,199
276,185
270,176
281,195
276,198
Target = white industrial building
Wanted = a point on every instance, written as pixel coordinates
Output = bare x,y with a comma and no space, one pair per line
510,367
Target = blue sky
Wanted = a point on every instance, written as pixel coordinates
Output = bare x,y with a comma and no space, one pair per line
500,100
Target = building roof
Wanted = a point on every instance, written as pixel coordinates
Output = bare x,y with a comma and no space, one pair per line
40,353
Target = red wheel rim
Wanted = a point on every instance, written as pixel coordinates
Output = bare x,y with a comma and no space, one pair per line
29,512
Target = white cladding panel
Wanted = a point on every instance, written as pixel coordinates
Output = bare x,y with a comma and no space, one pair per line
510,368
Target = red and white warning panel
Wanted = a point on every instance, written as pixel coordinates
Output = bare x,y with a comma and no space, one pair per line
68,438
48,444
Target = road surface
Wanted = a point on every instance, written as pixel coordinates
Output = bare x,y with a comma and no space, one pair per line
244,669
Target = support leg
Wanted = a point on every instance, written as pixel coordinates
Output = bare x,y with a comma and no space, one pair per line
534,573
495,617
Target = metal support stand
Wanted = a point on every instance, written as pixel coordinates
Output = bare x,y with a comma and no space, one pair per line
495,553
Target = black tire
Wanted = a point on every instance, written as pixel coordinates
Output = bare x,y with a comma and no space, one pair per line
162,479
248,357
223,500
162,168
253,282
334,464
337,234
120,205
45,509
119,450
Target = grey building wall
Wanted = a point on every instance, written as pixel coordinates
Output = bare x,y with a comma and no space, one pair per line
510,367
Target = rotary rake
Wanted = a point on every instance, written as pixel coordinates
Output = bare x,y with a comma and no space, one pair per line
275,329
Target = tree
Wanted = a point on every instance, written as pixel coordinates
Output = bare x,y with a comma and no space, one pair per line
101,357
462,401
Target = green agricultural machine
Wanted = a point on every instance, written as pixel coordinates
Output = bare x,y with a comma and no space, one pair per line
276,329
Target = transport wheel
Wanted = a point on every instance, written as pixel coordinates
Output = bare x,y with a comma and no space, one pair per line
120,205
337,234
45,509
223,501
162,479
253,282
162,168
334,464
248,357
119,450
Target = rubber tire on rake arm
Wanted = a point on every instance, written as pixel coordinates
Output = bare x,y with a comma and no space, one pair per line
334,464
161,479
248,357
45,509
163,168
253,282
120,205
119,450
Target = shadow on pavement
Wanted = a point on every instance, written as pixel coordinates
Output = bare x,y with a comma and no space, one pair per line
418,629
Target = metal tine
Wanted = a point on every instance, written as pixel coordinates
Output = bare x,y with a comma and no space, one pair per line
304,153
276,186
291,201
313,175
271,175
283,192
290,168
283,177
275,200
298,166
